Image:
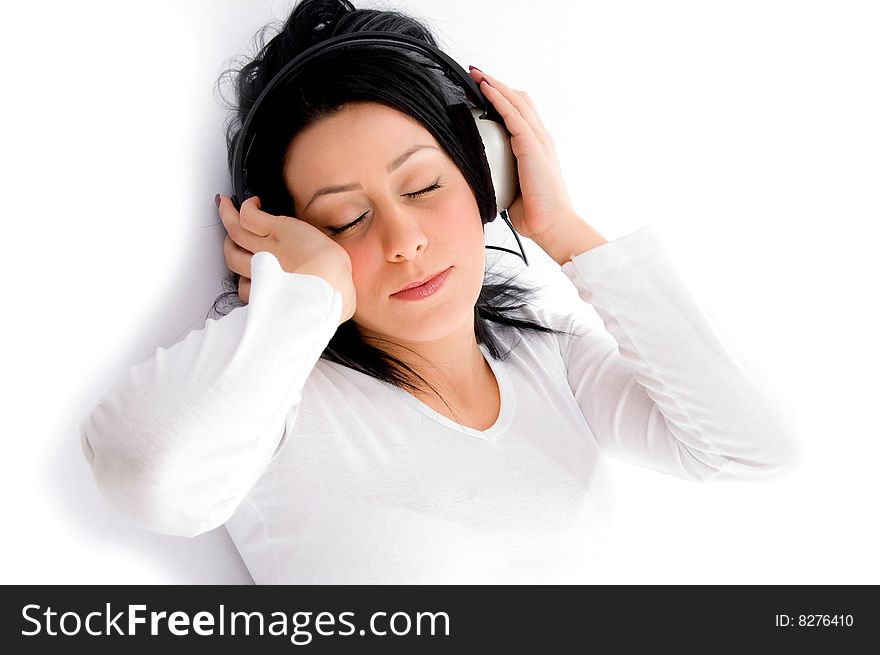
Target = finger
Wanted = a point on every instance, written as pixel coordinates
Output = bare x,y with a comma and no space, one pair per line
238,260
525,96
514,99
255,220
513,119
232,222
244,288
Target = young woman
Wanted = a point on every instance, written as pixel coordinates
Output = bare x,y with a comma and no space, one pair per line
377,408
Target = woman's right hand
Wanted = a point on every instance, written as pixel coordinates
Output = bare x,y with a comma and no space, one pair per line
298,246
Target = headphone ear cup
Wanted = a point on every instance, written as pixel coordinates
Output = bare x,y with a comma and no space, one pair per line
502,162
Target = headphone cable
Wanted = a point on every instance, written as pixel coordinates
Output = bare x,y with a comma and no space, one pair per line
515,236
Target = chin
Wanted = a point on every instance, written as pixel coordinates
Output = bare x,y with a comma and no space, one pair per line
409,322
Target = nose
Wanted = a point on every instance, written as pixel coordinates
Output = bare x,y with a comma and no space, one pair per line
401,233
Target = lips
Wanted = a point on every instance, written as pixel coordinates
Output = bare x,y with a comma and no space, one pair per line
420,282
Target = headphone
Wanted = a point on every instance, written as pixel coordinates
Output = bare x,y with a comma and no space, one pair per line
490,124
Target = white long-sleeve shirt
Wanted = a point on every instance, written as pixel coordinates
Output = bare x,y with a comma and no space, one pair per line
322,474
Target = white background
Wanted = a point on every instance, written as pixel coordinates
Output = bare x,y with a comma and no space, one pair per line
746,133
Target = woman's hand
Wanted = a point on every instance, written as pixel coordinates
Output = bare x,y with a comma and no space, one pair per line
542,200
298,246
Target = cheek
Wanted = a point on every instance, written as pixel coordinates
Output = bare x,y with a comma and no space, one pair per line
456,212
363,271
463,226
466,213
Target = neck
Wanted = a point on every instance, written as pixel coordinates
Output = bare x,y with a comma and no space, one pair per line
454,365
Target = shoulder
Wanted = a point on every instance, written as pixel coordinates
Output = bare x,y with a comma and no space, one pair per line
565,323
576,329
524,330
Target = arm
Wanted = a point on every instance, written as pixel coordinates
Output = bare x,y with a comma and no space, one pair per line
179,442
662,388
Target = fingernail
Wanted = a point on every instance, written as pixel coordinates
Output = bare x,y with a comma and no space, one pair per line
474,68
217,200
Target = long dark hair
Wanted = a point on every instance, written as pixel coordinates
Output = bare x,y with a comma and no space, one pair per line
375,74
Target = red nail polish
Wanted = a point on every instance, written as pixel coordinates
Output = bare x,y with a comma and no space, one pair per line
217,200
473,68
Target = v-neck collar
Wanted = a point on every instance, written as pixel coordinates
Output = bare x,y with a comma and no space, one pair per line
505,391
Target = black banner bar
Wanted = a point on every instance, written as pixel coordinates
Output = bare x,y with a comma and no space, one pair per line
427,619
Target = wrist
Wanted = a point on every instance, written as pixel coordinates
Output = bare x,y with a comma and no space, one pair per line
568,237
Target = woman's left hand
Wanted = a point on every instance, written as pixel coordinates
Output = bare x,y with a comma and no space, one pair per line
542,199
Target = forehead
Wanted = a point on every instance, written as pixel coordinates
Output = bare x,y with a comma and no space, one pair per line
360,128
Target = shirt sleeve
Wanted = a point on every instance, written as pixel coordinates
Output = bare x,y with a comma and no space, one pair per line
663,388
182,438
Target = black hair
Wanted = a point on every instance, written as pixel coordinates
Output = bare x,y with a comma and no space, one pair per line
374,74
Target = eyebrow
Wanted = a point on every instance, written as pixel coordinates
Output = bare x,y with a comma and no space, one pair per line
393,165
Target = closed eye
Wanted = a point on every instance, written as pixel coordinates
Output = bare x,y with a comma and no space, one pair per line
415,194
